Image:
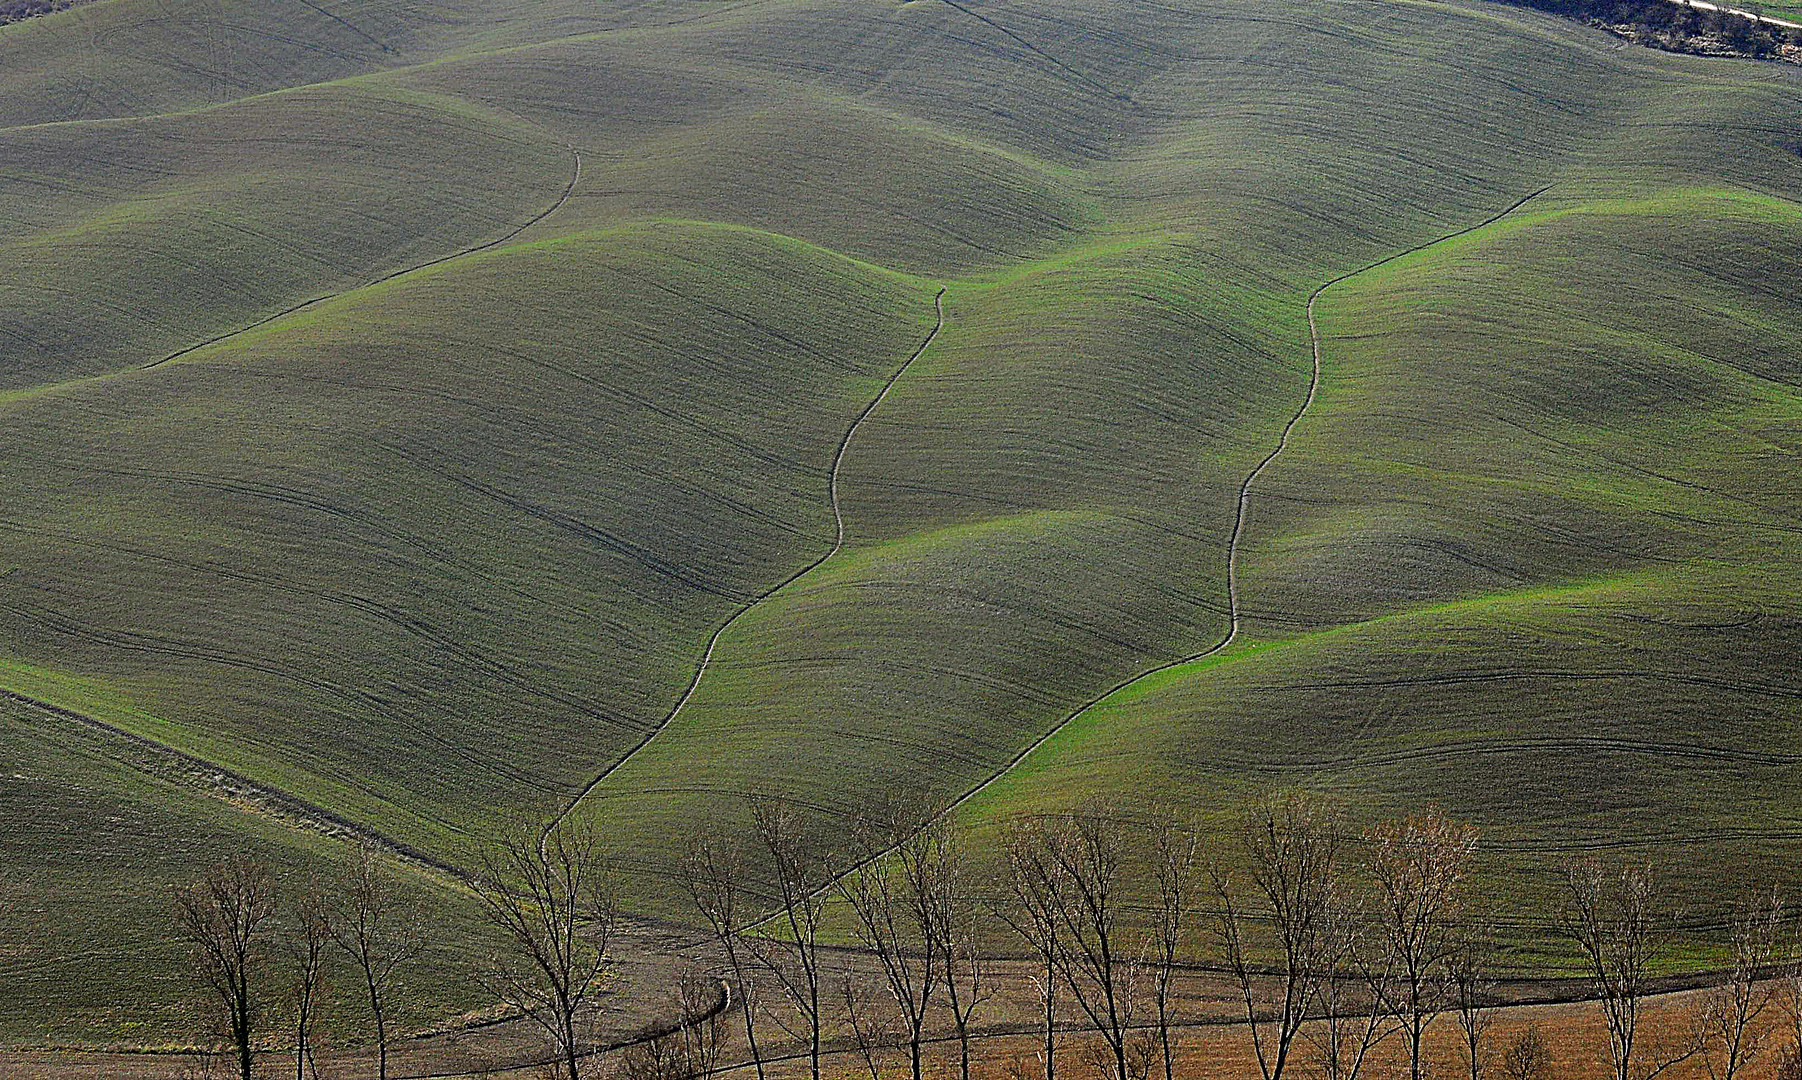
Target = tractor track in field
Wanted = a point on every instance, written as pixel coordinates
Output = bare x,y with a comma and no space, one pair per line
574,179
1080,76
1235,610
1463,678
838,544
1502,746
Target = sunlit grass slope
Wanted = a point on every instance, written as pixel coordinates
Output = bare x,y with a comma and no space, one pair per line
1533,555
436,548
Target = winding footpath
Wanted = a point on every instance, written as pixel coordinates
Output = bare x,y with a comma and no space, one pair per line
838,544
1236,613
574,179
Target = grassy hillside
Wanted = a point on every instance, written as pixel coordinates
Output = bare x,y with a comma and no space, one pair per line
584,495
102,842
560,406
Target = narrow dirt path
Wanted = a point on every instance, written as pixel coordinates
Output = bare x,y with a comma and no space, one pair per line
575,178
1703,5
1238,532
838,544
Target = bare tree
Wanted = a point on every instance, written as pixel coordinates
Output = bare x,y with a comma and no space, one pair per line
225,917
898,910
793,962
1176,846
1789,1000
870,1025
380,928
700,1025
1612,917
1034,885
712,876
1294,844
1354,988
549,893
1728,1014
1473,998
654,1056
1420,864
1098,966
967,975
202,1064
307,942
1527,1057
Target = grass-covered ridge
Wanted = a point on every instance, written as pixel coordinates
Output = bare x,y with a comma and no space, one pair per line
433,527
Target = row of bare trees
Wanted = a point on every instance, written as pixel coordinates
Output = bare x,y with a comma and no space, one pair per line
546,894
233,921
1336,942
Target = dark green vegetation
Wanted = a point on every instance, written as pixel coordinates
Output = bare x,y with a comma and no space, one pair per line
432,548
15,10
1683,28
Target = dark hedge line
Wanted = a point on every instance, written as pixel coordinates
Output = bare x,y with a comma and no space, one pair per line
1678,27
12,11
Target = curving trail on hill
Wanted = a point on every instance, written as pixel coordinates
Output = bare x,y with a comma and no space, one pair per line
1238,531
574,178
838,544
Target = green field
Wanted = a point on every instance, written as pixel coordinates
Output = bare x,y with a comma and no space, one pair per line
397,405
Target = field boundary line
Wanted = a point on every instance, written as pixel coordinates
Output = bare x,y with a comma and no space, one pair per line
575,177
1233,543
838,544
217,781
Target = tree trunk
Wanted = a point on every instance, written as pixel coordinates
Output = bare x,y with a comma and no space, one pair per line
813,991
1118,1039
241,1022
381,1047
750,1029
1164,1032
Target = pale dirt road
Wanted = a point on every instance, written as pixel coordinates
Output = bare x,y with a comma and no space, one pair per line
1704,5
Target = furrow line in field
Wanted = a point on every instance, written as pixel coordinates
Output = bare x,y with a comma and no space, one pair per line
1462,678
838,543
575,177
1079,76
399,618
1235,538
355,696
1504,747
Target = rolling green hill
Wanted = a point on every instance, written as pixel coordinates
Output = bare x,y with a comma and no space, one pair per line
625,408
